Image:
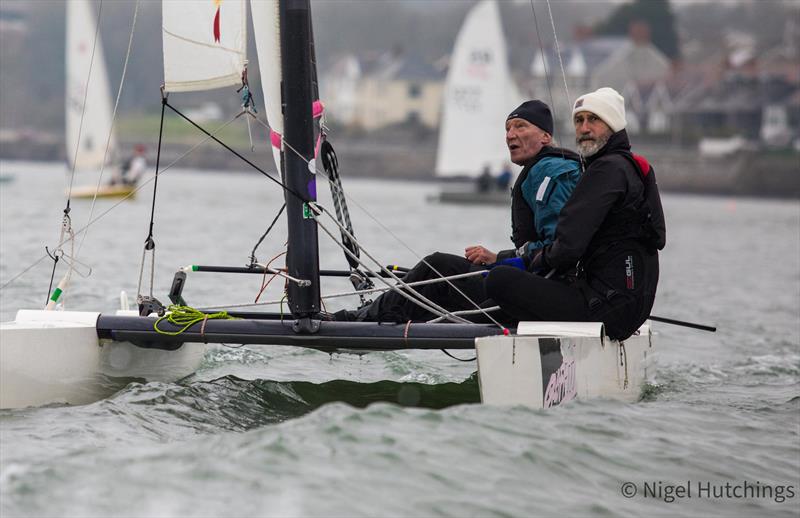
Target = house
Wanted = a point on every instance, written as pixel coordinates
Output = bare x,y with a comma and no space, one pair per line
591,62
744,93
372,92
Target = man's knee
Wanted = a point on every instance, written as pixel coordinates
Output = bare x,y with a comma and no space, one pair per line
442,262
500,281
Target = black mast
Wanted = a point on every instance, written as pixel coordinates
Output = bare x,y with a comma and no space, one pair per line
302,258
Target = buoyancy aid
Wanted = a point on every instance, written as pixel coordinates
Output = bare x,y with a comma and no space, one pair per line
523,227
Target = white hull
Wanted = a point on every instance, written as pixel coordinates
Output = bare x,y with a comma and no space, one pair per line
550,363
56,357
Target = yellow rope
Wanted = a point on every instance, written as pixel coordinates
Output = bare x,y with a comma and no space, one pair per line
185,317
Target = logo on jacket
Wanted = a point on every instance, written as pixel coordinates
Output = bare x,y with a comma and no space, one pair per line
629,272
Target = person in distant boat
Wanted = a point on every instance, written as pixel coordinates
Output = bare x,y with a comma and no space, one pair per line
133,169
484,181
609,232
505,177
547,178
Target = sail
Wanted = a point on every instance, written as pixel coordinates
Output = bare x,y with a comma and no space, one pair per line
80,88
479,93
205,43
267,32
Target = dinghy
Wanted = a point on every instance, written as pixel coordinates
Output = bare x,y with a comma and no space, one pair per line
479,92
69,357
90,139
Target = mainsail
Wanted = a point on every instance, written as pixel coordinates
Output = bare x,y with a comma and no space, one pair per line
479,93
83,54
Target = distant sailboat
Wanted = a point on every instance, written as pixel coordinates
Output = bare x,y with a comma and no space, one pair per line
87,141
479,93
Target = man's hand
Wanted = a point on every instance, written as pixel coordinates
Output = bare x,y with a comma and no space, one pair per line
479,255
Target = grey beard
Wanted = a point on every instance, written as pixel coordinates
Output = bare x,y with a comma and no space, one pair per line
589,148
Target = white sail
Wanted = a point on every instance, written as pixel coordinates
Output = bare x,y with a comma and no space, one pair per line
80,88
267,32
479,94
205,43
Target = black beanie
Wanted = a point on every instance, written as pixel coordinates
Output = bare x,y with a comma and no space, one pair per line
535,112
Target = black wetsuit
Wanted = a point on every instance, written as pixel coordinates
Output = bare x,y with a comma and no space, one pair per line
610,230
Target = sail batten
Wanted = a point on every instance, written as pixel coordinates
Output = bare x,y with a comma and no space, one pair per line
205,43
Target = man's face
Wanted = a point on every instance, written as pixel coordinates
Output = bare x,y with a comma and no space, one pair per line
591,133
524,140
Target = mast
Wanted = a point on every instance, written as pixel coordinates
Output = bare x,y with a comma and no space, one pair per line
302,258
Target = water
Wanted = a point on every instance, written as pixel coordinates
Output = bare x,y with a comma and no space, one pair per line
271,431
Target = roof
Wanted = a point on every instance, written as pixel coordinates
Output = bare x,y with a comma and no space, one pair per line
591,52
390,65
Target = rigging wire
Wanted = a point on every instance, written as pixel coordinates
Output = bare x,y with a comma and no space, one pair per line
237,154
113,119
66,220
412,295
352,293
149,242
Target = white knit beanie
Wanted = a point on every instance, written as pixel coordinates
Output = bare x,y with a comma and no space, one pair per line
607,104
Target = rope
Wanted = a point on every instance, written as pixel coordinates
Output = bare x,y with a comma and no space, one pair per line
459,359
237,154
185,317
412,294
546,71
253,259
351,293
149,242
330,163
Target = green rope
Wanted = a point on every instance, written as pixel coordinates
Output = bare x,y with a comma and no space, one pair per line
185,317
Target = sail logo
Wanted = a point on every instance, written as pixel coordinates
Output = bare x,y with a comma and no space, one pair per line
629,280
561,387
480,57
218,5
467,98
479,62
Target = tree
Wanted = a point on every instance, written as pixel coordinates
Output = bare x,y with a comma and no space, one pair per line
656,13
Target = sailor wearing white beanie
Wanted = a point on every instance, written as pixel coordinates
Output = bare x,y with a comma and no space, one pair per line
607,104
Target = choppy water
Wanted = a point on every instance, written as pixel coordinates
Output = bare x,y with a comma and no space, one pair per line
271,431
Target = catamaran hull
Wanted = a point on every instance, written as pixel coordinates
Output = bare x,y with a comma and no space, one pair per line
550,363
57,357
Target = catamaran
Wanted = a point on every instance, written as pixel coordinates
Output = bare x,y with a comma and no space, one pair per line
479,90
52,356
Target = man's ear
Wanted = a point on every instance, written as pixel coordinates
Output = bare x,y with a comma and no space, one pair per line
547,139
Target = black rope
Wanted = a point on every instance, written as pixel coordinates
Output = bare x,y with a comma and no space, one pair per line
459,359
275,220
330,163
149,243
248,162
53,274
